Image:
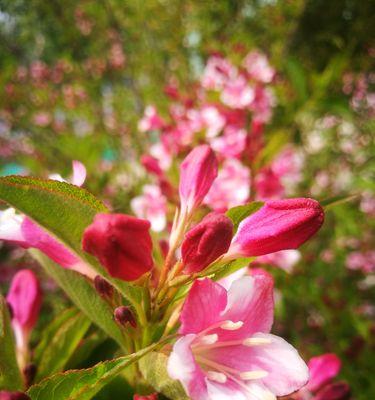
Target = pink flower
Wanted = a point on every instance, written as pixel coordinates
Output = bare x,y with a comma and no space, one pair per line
153,396
206,241
151,164
278,225
226,351
237,93
364,261
217,72
122,244
151,120
78,177
284,259
231,188
25,299
4,395
151,205
322,370
197,173
231,144
268,185
213,120
258,68
263,104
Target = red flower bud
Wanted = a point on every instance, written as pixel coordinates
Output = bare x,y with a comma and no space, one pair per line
278,225
103,287
334,391
29,373
206,242
197,173
151,164
153,396
123,316
121,243
13,396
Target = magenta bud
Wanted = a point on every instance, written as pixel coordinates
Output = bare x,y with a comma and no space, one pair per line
123,316
153,396
29,373
103,287
13,396
197,173
334,391
206,241
151,164
122,244
278,225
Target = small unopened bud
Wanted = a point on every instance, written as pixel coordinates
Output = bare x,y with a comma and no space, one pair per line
103,287
13,396
29,373
334,391
123,316
153,396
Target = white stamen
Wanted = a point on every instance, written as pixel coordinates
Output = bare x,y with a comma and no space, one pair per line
231,326
248,375
209,339
216,376
254,341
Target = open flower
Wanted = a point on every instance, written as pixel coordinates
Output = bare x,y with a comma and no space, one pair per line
226,351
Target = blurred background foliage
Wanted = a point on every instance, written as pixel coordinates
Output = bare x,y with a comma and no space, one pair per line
76,76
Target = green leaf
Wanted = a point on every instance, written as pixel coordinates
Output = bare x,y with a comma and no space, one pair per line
85,383
154,369
82,294
232,267
297,76
334,201
59,341
10,377
239,213
64,210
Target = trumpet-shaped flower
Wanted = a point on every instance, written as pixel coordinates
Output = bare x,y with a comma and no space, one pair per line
226,351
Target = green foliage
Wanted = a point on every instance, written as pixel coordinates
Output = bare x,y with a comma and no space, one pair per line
10,377
239,213
59,341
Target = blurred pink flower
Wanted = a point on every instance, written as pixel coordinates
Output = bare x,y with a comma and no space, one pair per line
237,93
364,261
284,259
151,205
217,72
226,350
231,144
42,118
258,68
231,187
151,120
268,185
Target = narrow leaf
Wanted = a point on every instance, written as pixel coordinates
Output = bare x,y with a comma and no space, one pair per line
239,213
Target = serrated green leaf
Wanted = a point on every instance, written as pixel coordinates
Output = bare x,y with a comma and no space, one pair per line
84,384
10,377
59,341
154,369
82,294
239,213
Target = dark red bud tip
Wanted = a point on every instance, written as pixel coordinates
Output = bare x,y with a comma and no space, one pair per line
10,310
334,391
103,287
206,241
29,373
123,316
153,396
13,396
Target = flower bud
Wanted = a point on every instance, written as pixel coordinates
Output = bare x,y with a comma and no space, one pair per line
323,369
24,298
103,287
123,316
122,244
206,241
151,164
153,396
197,173
278,225
334,391
13,396
29,373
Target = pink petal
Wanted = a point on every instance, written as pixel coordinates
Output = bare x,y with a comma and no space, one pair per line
226,391
79,173
182,366
250,299
322,370
203,306
10,227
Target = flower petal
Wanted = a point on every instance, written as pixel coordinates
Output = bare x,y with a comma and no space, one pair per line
203,306
79,173
322,369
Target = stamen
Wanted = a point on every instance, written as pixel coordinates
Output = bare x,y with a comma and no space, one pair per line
254,341
216,376
248,375
209,339
231,326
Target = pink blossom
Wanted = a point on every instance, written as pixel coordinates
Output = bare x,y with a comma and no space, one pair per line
78,177
231,187
151,120
278,225
258,68
197,173
42,118
364,261
284,259
262,104
237,93
151,164
162,153
231,144
322,370
367,204
151,205
268,185
226,350
217,72
213,120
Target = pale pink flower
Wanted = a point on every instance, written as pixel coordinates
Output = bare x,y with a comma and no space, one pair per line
363,261
367,204
162,154
258,67
226,351
284,259
217,72
262,104
78,177
151,120
213,120
151,205
232,143
42,118
231,187
237,93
